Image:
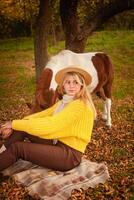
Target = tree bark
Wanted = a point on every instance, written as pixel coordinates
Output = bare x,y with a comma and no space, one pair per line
41,36
76,36
69,17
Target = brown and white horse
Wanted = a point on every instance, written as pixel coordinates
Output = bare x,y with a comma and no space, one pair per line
97,64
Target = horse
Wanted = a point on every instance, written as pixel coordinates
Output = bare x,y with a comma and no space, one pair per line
98,64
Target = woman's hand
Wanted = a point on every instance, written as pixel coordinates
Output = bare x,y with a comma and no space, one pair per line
7,125
6,133
6,130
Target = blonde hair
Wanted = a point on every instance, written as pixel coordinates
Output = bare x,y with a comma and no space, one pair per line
83,94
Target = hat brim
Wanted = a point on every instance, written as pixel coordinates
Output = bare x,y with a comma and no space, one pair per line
60,74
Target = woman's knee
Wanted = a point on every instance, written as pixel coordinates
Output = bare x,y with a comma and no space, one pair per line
16,148
15,136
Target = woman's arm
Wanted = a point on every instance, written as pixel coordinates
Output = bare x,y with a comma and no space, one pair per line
52,124
44,113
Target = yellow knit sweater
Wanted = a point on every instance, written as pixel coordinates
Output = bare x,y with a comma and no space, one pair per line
72,126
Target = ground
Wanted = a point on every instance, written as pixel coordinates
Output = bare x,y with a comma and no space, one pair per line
113,146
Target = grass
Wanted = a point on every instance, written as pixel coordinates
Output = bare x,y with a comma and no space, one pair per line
120,46
19,44
17,61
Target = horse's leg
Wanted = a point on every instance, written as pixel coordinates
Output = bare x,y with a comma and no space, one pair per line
108,112
104,114
101,94
107,103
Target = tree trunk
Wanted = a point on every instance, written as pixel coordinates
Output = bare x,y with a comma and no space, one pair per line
68,13
76,36
41,36
53,35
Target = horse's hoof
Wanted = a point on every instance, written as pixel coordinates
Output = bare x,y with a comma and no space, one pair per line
108,125
104,117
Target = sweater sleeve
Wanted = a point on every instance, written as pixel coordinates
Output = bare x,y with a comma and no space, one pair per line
44,113
51,127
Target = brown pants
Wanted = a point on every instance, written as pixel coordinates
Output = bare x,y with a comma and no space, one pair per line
39,151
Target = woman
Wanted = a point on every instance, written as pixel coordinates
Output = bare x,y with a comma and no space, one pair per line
58,135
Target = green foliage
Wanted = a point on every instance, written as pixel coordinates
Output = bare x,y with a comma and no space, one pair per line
17,18
121,21
20,10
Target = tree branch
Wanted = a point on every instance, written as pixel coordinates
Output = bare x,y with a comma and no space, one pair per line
104,13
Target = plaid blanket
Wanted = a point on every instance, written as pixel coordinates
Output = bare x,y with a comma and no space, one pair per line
53,185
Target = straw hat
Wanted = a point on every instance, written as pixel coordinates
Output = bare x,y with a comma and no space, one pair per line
72,68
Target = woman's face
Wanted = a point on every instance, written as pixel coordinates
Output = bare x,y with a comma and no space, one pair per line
71,85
